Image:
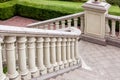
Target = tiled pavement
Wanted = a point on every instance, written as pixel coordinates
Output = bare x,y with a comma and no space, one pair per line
104,60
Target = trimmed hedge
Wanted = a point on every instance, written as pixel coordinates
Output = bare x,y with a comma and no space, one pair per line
3,1
7,10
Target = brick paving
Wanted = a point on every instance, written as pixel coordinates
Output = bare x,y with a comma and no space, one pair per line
17,21
104,60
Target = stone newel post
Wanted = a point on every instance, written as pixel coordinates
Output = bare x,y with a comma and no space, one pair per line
95,12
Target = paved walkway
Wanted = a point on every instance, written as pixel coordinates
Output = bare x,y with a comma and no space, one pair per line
17,21
105,60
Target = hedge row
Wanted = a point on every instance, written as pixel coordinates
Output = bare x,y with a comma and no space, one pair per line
3,1
7,10
35,11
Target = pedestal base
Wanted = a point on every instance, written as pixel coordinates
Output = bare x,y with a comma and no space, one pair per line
35,74
26,77
95,40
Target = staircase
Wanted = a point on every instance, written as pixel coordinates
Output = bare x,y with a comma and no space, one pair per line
79,74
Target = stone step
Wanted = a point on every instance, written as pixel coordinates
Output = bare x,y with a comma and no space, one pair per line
80,74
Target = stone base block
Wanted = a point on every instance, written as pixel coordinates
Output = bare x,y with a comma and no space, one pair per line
56,68
26,77
61,66
35,74
66,65
95,40
49,70
17,78
42,72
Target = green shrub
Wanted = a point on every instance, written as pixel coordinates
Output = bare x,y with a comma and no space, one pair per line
42,12
7,10
1,1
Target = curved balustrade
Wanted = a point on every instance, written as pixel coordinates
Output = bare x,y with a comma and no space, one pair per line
113,26
74,20
39,51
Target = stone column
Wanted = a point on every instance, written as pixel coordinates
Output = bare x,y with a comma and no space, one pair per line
77,56
2,75
95,13
63,24
53,54
10,56
51,26
68,52
47,55
25,74
64,40
107,29
73,51
40,57
75,22
82,24
69,22
57,25
31,56
59,61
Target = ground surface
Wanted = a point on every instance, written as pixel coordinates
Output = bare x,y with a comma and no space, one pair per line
17,21
105,60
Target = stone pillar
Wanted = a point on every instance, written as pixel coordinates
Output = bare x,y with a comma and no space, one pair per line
10,56
73,51
76,22
57,25
2,75
69,22
64,52
59,59
40,57
68,52
25,74
53,54
63,23
95,13
77,56
47,55
31,57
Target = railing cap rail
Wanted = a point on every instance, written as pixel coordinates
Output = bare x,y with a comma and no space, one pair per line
56,19
113,17
21,31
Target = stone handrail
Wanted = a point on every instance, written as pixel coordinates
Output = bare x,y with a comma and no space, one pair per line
60,22
115,23
36,51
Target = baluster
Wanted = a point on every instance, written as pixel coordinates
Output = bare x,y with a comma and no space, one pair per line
113,28
69,22
2,75
53,54
51,26
31,56
68,52
61,66
64,52
47,55
40,60
63,24
73,51
57,25
25,74
46,27
82,23
10,56
107,31
75,22
77,56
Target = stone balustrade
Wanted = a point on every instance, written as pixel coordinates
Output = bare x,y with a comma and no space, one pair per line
113,26
39,52
73,20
